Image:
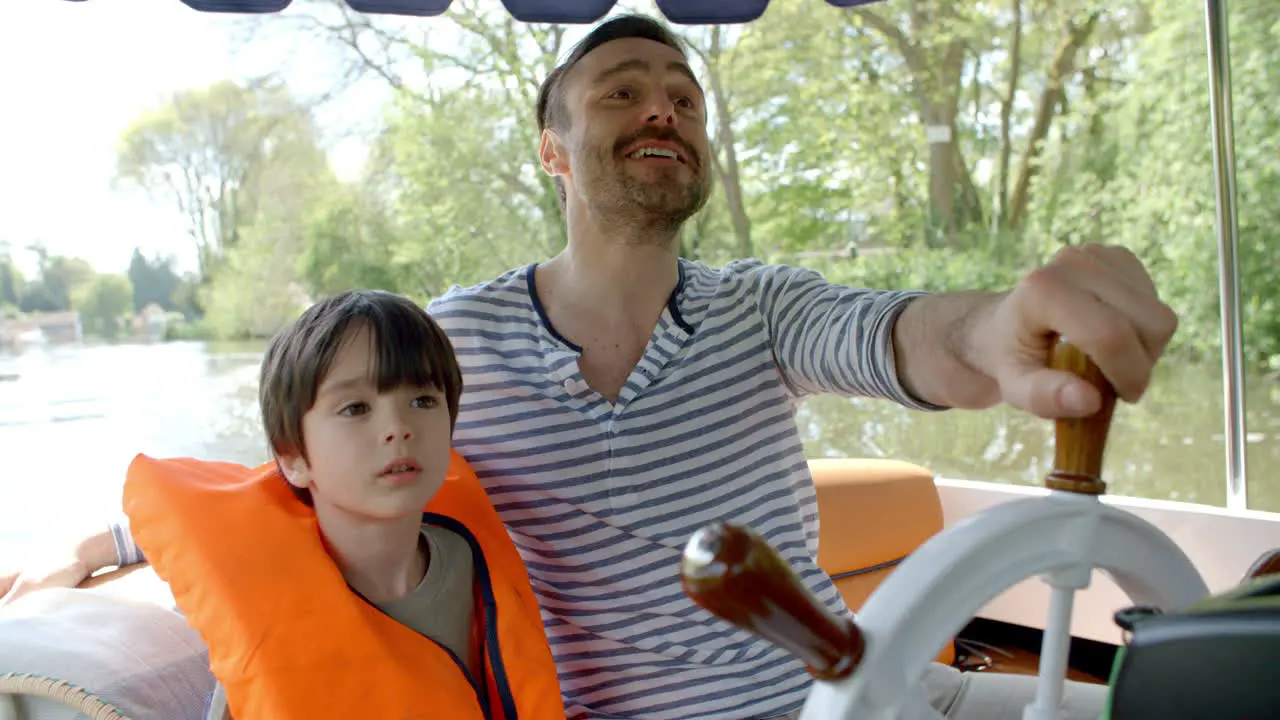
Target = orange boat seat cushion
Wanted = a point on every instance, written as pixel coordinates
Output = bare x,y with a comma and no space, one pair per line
872,513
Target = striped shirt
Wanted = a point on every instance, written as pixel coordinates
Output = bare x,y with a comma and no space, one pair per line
600,498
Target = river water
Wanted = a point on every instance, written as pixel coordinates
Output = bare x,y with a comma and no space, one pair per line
74,417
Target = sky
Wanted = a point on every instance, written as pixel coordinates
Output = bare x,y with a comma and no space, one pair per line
73,75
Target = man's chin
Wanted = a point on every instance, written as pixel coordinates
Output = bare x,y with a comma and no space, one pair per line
664,188
665,197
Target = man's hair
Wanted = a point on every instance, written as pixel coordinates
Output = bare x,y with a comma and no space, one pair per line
409,348
552,111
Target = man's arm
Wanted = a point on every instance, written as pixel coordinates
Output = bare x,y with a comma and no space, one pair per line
833,339
124,550
70,566
976,349
99,550
933,353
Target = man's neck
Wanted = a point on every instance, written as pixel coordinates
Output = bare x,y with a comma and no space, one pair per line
620,273
382,559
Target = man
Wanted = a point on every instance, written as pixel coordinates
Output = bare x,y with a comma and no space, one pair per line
617,398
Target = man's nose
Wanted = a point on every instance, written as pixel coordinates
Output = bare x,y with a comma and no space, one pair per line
661,110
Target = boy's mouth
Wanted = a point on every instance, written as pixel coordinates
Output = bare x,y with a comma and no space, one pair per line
401,465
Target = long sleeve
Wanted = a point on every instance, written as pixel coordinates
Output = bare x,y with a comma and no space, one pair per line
127,551
829,338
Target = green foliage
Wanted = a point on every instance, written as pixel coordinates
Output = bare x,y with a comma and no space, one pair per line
469,194
216,154
103,302
1070,122
57,279
154,281
11,280
1148,183
347,238
254,291
919,268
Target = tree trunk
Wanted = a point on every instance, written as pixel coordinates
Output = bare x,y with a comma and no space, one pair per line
1006,113
1060,69
728,171
937,86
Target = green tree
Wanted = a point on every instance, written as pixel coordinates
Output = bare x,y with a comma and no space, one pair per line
1058,123
348,239
10,279
57,278
1148,182
207,152
257,289
102,302
153,281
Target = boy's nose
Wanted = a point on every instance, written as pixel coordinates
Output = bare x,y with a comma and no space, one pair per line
392,436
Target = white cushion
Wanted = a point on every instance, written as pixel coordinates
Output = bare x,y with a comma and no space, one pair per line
139,656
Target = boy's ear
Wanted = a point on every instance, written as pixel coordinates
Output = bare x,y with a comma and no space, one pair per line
295,470
552,155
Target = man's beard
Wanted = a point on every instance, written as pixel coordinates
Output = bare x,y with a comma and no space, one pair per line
658,204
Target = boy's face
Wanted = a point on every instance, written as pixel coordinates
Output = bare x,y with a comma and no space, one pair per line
373,456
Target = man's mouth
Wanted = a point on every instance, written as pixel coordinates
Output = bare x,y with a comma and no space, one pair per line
662,147
657,152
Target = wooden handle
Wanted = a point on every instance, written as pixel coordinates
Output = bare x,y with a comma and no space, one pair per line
734,574
1267,564
1080,442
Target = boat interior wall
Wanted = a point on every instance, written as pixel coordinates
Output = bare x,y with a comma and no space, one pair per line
872,513
1222,544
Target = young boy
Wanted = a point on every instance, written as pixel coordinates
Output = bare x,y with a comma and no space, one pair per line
339,596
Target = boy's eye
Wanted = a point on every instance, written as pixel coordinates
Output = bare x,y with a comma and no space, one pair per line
356,408
426,401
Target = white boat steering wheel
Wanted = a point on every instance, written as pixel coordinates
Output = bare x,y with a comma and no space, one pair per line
871,668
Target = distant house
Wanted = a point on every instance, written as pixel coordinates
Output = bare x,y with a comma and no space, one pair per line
37,328
150,323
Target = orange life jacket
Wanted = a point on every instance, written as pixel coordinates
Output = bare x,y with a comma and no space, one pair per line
288,638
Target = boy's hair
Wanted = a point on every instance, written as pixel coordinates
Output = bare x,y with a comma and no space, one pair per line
551,110
409,348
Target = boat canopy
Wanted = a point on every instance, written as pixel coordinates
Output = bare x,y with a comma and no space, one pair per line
684,12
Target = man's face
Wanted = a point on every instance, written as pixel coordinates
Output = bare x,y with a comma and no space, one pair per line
637,135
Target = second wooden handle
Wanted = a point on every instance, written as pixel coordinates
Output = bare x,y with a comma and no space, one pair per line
1080,443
